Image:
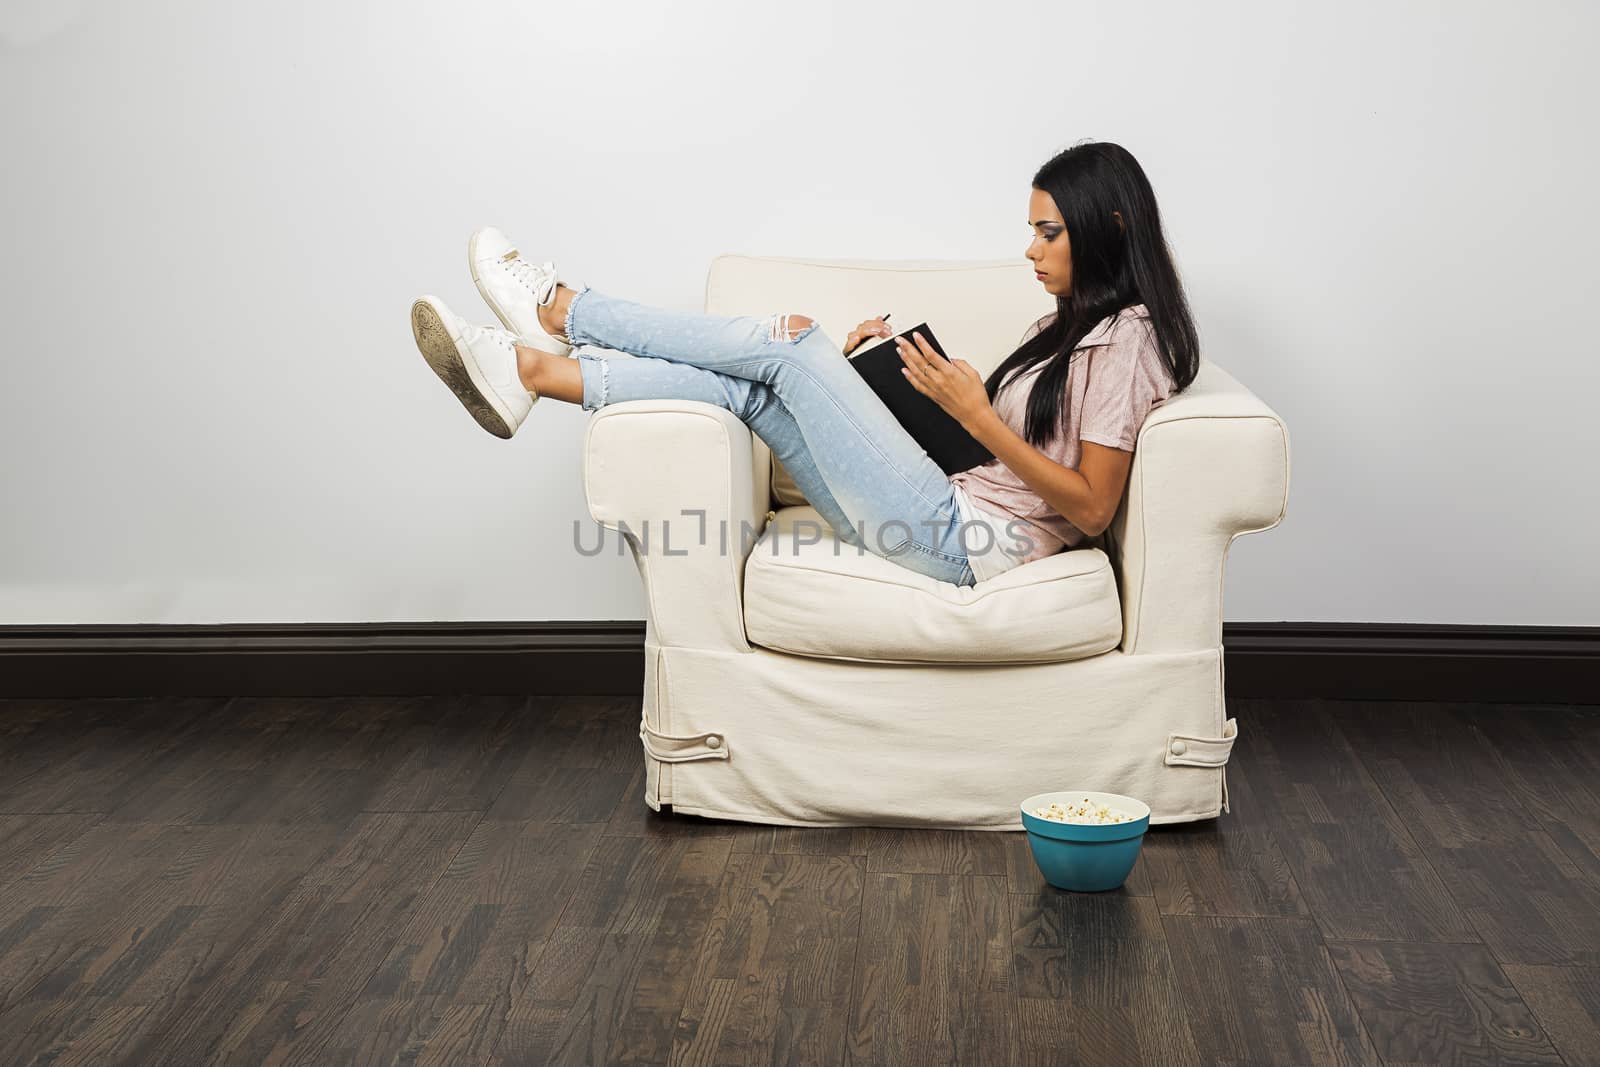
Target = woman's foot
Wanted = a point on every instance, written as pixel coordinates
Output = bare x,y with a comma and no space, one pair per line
528,298
547,375
553,317
480,364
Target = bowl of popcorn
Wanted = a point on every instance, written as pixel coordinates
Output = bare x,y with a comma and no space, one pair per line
1083,841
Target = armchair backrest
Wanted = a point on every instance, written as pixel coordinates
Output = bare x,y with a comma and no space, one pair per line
980,309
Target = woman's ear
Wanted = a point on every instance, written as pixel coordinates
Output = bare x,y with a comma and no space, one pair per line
1120,227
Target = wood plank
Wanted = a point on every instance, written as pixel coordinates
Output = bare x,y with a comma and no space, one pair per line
1356,864
45,913
458,754
570,761
1433,1003
1095,981
591,730
116,972
1230,865
771,980
897,850
934,973
37,734
1525,898
624,943
284,761
802,840
1264,990
26,840
634,818
443,992
1566,1002
283,991
1549,763
94,766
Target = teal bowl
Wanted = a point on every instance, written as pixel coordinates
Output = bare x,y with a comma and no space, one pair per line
1085,857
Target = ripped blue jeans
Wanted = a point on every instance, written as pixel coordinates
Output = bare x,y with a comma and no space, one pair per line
866,476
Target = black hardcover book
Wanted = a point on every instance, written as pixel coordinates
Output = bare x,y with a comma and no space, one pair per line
944,439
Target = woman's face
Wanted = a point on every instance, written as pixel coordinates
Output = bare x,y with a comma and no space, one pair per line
1050,249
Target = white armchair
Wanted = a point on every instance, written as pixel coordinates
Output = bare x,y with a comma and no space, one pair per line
815,684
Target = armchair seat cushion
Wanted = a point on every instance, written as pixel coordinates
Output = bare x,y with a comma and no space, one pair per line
833,600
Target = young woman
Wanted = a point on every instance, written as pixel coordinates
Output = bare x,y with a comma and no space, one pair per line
1060,414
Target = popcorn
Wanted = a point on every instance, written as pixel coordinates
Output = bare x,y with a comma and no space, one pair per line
1085,812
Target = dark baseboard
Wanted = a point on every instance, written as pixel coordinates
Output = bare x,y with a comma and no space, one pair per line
1413,661
323,659
1354,661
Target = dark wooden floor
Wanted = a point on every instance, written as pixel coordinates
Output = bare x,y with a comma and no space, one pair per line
478,880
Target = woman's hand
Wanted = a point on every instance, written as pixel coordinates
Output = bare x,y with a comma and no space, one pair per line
954,384
870,328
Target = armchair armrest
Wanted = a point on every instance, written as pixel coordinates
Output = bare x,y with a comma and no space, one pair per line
650,468
1210,464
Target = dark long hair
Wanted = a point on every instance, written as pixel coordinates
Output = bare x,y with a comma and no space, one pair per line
1112,268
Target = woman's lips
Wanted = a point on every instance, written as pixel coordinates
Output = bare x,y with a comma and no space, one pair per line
1038,274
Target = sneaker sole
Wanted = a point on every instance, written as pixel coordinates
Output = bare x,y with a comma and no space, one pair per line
538,341
456,368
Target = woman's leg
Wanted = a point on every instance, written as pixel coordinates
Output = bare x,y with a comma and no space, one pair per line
846,451
614,379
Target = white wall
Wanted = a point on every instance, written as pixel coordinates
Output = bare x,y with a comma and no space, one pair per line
216,215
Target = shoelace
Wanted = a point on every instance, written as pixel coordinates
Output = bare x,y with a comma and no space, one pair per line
498,336
540,280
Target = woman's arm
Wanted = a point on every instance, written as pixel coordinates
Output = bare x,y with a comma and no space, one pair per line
1086,497
1126,378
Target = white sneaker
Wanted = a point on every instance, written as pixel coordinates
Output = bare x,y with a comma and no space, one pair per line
478,363
515,288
